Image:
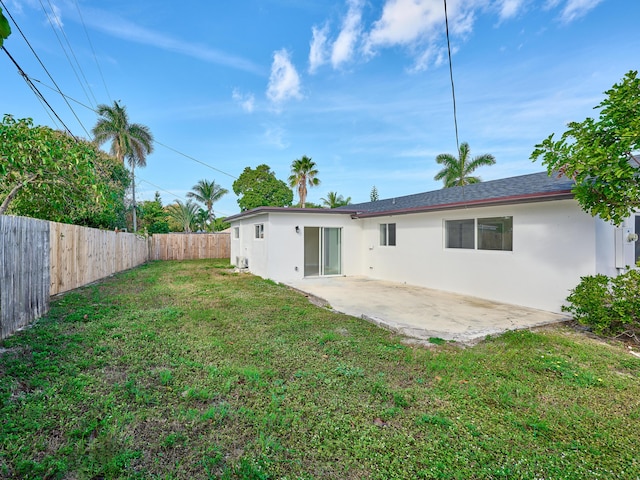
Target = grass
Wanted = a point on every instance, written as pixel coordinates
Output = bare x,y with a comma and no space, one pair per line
185,370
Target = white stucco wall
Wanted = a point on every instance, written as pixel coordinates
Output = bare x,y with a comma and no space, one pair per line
280,256
553,245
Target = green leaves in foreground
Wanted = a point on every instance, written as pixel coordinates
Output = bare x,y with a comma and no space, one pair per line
187,370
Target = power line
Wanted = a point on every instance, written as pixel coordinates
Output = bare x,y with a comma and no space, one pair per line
45,69
58,24
453,90
36,91
93,51
194,159
154,141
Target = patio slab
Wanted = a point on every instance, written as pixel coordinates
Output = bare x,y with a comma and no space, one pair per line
422,313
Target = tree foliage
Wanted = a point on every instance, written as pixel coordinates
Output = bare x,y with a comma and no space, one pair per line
183,216
303,173
259,187
152,216
373,196
602,155
457,170
5,29
207,193
333,200
47,174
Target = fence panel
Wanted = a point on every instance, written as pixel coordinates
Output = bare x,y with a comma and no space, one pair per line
24,272
189,246
81,255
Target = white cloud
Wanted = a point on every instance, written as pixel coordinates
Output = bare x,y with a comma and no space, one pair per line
284,82
404,22
245,100
318,48
344,46
275,136
121,28
575,9
510,8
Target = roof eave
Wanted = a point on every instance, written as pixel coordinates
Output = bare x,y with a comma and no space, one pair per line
263,210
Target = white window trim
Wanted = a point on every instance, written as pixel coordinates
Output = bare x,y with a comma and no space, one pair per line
256,235
475,235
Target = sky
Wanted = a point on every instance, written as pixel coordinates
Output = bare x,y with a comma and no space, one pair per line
361,86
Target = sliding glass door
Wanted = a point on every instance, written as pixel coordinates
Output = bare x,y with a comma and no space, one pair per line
322,251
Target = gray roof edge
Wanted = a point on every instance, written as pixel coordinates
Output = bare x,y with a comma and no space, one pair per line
261,210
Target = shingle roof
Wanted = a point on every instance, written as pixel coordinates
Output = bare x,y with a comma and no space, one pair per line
532,187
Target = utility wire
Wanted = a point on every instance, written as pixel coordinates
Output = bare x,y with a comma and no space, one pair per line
154,141
93,51
45,69
64,34
36,91
194,159
453,90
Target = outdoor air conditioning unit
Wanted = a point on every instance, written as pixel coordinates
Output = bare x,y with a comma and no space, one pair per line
242,262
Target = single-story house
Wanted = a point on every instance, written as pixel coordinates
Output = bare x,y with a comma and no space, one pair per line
522,240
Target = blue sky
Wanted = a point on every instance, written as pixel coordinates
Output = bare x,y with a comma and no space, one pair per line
360,86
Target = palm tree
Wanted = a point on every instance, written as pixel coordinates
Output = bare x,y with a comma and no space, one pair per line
334,200
207,193
457,170
132,141
184,214
303,172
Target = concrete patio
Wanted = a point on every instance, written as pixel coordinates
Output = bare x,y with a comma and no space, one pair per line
422,313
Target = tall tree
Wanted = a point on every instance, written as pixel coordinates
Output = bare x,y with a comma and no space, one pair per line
153,216
602,155
259,187
334,200
373,196
183,215
457,170
303,173
208,192
132,141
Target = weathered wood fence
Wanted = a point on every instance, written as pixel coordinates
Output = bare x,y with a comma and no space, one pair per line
39,259
178,246
24,272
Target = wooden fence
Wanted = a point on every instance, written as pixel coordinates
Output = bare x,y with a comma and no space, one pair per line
24,272
39,259
193,246
81,255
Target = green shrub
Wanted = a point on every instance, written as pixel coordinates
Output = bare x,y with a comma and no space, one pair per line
609,305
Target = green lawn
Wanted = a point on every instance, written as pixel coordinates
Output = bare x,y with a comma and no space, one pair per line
187,370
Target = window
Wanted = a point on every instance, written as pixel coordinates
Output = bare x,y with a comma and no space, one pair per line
260,230
388,234
236,232
495,233
492,233
459,234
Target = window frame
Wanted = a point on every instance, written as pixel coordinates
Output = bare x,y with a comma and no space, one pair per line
236,233
388,234
460,222
258,231
479,241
